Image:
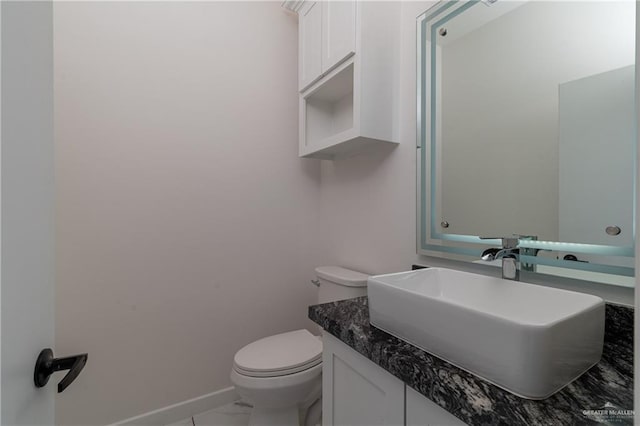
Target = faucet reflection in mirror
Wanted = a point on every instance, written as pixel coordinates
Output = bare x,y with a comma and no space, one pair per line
532,97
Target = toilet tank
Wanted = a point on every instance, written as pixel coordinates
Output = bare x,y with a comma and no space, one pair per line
337,283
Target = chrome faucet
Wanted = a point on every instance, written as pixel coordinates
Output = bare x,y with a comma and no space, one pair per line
510,256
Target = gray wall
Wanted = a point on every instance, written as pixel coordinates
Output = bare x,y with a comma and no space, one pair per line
186,224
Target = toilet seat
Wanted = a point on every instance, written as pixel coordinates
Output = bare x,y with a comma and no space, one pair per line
279,355
275,373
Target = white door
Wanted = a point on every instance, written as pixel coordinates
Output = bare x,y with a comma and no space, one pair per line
596,132
27,268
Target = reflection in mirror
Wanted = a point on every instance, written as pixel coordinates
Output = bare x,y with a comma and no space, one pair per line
528,126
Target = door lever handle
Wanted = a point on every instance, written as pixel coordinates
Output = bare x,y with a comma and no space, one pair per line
46,365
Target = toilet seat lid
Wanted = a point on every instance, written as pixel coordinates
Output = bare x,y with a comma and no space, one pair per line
285,353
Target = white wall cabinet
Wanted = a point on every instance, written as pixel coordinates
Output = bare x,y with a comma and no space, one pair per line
327,36
310,43
355,391
349,59
338,32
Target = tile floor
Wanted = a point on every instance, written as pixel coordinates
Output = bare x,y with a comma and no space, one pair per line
234,414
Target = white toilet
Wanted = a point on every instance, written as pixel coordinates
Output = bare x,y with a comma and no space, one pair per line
281,375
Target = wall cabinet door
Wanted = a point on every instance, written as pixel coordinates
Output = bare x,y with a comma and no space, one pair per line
356,391
421,412
338,32
310,43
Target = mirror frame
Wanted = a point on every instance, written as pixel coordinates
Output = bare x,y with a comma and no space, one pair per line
430,241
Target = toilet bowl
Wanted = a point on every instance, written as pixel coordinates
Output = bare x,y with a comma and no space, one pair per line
281,375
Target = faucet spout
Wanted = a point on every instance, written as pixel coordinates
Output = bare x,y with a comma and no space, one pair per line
501,254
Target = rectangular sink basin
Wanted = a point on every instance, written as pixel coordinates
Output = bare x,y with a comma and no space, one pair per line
528,339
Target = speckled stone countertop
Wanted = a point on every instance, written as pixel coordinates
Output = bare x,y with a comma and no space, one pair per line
607,386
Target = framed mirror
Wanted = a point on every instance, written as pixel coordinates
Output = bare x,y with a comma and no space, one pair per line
527,126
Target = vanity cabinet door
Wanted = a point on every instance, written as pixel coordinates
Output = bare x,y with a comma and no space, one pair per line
421,412
355,391
338,32
310,43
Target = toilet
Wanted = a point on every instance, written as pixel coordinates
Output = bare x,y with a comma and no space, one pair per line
281,375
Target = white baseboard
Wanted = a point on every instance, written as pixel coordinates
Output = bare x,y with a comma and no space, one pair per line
182,410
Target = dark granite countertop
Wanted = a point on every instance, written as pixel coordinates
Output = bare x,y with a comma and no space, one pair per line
606,386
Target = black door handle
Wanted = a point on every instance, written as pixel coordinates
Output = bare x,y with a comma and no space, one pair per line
46,365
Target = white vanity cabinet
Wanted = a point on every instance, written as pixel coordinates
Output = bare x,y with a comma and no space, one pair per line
356,391
420,412
348,72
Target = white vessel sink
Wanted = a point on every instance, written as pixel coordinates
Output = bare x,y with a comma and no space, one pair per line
528,339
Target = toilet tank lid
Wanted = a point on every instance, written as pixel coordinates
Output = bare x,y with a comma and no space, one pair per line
343,276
